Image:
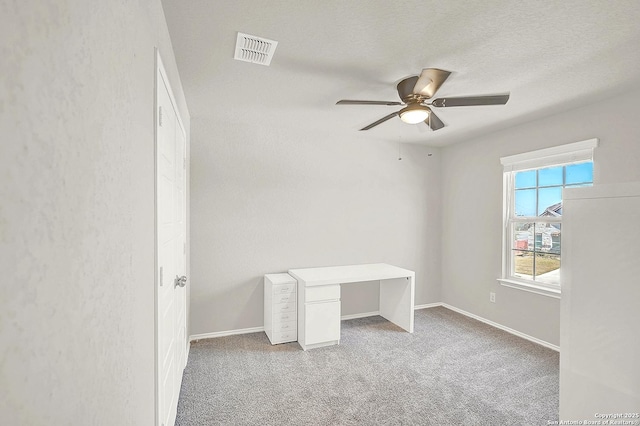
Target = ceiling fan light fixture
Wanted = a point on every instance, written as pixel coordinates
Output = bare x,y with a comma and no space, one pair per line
417,95
414,114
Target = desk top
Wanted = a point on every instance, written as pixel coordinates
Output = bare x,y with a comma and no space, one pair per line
349,274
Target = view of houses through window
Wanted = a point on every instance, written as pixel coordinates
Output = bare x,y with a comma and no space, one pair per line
535,219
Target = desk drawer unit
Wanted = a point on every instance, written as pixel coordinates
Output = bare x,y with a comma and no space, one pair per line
318,316
280,316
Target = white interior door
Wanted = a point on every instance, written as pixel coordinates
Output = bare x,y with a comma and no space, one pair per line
171,251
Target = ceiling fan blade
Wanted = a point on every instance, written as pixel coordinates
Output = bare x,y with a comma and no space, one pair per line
350,102
434,122
430,81
471,100
382,120
405,87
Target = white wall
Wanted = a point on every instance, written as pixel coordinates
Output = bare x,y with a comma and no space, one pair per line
472,206
77,210
268,200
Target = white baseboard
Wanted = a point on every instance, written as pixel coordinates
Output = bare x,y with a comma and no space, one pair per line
428,305
374,313
215,334
502,327
362,315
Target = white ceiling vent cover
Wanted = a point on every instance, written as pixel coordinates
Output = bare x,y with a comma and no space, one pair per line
254,49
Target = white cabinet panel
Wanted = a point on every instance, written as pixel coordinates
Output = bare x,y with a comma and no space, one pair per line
322,322
599,314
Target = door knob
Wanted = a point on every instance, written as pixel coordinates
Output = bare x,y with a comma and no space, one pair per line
180,281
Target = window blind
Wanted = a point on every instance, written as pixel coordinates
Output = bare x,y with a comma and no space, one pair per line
555,156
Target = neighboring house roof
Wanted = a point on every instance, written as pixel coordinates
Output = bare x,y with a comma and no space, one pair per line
553,211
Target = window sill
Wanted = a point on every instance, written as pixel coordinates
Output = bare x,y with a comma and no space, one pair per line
530,287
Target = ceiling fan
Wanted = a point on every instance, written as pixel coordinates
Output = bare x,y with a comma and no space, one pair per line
416,93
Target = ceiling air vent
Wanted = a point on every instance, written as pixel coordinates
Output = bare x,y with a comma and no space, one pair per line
254,49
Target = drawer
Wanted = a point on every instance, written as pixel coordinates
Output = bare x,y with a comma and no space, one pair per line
284,289
284,307
323,292
285,336
285,326
284,298
285,316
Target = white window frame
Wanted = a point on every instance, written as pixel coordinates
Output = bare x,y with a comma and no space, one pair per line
555,156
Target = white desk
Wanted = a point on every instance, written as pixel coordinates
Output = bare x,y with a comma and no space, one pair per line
319,299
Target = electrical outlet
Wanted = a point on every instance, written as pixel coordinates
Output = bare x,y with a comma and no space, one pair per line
492,297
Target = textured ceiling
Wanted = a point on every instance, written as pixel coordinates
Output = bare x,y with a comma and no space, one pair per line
551,56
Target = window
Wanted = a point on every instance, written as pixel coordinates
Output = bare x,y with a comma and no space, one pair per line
532,240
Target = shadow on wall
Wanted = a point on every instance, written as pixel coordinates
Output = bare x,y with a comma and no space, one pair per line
239,300
253,291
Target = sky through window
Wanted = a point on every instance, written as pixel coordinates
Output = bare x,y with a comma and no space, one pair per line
537,190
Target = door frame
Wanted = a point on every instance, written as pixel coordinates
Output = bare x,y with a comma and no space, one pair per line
160,70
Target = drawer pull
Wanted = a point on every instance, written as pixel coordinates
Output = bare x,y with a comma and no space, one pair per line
285,289
282,308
